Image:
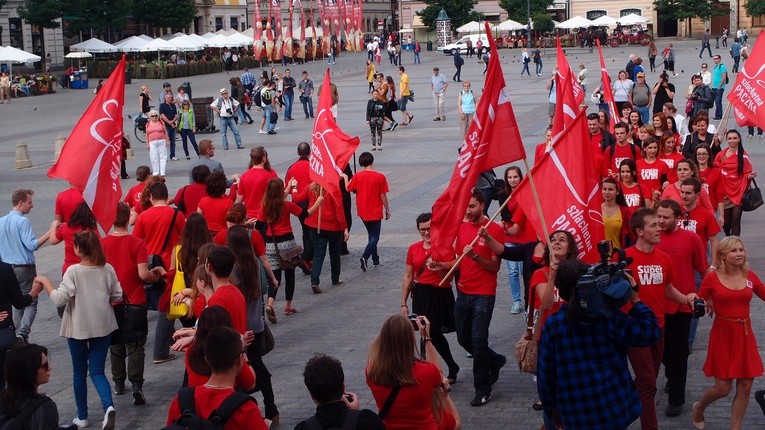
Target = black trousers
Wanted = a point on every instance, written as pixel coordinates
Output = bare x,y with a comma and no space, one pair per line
676,329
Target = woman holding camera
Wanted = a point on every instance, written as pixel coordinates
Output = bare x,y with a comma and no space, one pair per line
663,92
733,353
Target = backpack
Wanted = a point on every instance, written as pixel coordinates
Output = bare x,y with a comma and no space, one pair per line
349,423
265,97
18,421
256,96
537,57
189,420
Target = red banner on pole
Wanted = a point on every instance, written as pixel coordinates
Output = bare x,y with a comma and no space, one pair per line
90,158
607,93
747,94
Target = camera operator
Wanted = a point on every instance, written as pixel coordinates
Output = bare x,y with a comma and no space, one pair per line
582,374
663,92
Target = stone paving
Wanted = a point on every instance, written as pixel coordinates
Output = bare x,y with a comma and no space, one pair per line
417,159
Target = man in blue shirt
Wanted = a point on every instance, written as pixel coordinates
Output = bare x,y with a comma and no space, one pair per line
735,52
288,85
438,84
248,81
168,113
17,246
719,79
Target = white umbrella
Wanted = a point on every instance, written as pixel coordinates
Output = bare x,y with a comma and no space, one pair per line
250,32
470,27
209,35
241,38
146,38
187,44
78,55
158,44
10,54
604,21
94,45
221,41
131,44
632,19
574,23
197,38
231,32
509,25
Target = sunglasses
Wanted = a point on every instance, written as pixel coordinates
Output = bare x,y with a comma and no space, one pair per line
154,116
424,230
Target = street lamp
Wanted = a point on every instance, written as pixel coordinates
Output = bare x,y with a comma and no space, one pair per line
528,24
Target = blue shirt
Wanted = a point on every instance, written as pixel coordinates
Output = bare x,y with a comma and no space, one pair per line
247,78
735,50
439,82
169,110
582,369
17,241
717,76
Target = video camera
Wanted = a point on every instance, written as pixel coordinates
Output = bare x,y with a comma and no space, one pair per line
605,286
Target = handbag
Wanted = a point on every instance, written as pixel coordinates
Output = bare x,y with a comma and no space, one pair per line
179,283
688,107
290,258
154,290
752,198
273,118
267,341
526,348
132,323
392,105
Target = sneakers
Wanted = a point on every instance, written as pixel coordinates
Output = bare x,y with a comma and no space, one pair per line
170,357
263,131
289,310
138,398
109,417
379,147
119,388
272,132
673,410
174,158
495,368
81,423
480,400
517,308
393,126
374,148
438,118
363,263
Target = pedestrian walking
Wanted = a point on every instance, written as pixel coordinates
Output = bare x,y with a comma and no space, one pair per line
735,53
371,188
438,85
417,49
581,77
525,59
405,93
187,128
668,55
705,43
458,62
537,56
467,102
157,142
375,119
652,52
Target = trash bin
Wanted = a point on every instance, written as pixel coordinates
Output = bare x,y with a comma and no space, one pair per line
128,76
187,88
430,45
204,116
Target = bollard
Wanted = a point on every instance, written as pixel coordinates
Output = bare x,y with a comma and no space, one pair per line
22,157
59,145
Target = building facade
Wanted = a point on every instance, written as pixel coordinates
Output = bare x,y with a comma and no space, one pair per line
409,22
39,41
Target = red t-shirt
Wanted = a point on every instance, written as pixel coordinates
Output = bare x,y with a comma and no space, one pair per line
416,257
635,196
233,302
299,170
539,152
710,180
283,225
369,187
252,186
650,174
595,140
133,196
125,253
66,233
734,184
540,277
652,272
612,159
688,255
258,245
152,225
412,409
527,233
214,210
673,192
474,279
332,212
700,221
671,162
245,378
67,201
191,195
206,400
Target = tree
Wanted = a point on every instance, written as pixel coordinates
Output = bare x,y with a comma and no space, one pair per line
516,9
42,13
689,9
99,15
543,23
755,7
165,13
460,11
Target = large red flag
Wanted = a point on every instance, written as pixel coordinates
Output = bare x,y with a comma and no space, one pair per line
565,73
566,106
569,190
90,158
331,148
608,94
748,93
492,140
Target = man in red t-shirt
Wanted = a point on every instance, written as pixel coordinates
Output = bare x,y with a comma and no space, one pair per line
599,138
654,274
188,196
220,263
621,150
66,202
696,218
476,294
224,354
299,171
688,256
371,190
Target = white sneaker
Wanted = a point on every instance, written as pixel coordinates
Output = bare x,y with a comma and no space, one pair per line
81,423
262,132
109,417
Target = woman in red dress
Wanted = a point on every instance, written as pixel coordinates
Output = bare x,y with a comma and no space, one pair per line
733,352
736,172
709,175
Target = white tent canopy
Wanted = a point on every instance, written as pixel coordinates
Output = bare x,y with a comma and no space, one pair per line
632,19
78,55
131,44
209,35
10,54
185,43
250,32
509,25
158,44
221,41
146,38
94,45
574,23
471,27
604,20
241,38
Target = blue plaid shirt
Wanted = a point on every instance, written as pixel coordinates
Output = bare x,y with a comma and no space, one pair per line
582,370
247,78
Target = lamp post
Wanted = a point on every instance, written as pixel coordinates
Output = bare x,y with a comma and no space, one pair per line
528,24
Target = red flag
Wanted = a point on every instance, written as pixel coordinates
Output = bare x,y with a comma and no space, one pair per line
565,73
331,148
258,28
90,158
573,200
492,140
608,94
566,106
748,93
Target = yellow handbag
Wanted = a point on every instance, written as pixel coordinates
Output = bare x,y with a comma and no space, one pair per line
179,283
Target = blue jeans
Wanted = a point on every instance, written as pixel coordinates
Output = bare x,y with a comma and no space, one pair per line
23,318
321,241
539,67
163,336
225,124
718,93
244,117
472,317
308,106
645,113
288,99
736,61
373,234
187,135
515,268
171,136
416,58
89,356
267,109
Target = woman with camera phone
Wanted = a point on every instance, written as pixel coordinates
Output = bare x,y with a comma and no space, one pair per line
733,353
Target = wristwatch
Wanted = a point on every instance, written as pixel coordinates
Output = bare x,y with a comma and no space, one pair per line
475,256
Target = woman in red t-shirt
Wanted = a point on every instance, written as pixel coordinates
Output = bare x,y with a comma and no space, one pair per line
513,178
736,171
546,298
685,169
334,231
215,204
133,196
635,194
669,154
252,184
651,172
82,219
709,175
143,200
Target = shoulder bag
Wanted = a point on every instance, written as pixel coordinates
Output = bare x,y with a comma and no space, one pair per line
389,402
154,290
267,341
527,347
290,258
752,198
132,323
179,283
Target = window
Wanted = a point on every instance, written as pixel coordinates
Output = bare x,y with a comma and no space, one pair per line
625,12
758,21
595,14
234,22
218,23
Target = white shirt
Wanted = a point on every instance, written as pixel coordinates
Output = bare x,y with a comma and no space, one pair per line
706,77
225,104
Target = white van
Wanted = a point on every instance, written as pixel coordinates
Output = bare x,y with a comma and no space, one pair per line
461,44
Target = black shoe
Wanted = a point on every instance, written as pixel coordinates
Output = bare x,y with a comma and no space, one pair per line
537,406
138,398
363,264
452,377
119,388
272,132
495,367
760,397
673,410
480,400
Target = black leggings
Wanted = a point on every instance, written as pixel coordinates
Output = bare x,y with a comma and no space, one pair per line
262,377
732,221
289,282
442,346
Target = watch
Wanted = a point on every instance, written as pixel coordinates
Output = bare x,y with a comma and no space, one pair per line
475,257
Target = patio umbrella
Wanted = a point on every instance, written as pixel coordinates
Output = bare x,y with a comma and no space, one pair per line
187,44
79,56
241,38
131,44
604,21
470,27
574,23
94,45
158,44
509,25
221,41
13,55
632,19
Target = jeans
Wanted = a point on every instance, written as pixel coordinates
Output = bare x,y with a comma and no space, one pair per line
645,363
288,99
416,58
322,241
135,355
158,156
186,135
373,234
171,136
472,317
456,76
225,124
718,94
8,340
308,106
163,336
645,113
539,67
525,69
267,109
515,268
676,329
89,356
23,318
736,61
244,117
438,103
487,192
306,236
706,46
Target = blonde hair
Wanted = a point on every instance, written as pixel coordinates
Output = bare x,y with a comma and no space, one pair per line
153,112
726,245
393,353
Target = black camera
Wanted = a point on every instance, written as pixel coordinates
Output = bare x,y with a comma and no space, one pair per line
699,307
413,319
605,286
229,111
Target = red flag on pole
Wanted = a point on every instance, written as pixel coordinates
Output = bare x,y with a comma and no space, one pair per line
573,203
90,158
565,73
492,140
566,106
748,93
331,148
607,93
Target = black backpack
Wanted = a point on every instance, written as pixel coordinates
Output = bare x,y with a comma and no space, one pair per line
349,423
189,420
256,96
18,421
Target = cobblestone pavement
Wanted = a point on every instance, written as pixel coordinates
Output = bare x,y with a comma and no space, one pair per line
417,159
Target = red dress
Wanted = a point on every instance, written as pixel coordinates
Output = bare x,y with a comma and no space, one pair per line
733,350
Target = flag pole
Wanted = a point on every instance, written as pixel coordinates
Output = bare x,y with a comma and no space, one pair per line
321,194
724,119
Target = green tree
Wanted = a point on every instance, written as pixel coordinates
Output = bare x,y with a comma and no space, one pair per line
460,11
516,9
42,13
543,23
99,15
755,7
689,9
165,13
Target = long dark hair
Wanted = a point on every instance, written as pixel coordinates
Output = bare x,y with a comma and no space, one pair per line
740,154
573,251
194,235
83,217
21,365
508,189
211,317
249,272
273,200
620,200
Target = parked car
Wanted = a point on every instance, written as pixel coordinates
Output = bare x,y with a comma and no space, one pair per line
461,44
